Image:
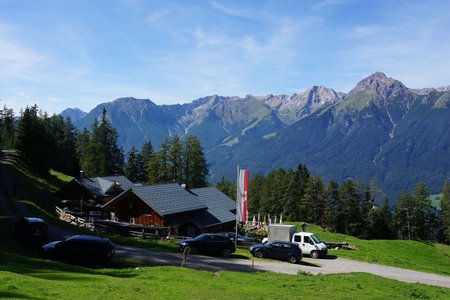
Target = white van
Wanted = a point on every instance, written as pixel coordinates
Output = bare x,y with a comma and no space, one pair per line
310,244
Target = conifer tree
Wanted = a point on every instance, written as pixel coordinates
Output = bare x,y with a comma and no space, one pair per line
176,160
146,151
314,201
65,158
7,128
379,222
101,156
367,206
155,169
402,221
332,196
143,159
349,213
228,187
274,192
422,213
132,169
445,212
195,170
33,141
255,198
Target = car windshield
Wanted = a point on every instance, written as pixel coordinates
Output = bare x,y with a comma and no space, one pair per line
200,237
316,239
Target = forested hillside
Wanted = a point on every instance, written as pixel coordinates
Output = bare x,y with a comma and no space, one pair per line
381,129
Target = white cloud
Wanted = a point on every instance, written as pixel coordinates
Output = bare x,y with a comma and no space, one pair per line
325,3
16,59
157,16
232,11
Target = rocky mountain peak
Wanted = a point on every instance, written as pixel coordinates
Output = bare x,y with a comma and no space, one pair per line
321,94
74,114
383,86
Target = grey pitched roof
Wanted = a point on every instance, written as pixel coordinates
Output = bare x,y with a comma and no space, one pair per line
167,199
219,207
105,186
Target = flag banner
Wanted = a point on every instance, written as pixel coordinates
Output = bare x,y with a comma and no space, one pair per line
242,196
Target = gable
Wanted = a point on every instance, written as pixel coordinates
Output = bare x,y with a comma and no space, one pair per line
165,199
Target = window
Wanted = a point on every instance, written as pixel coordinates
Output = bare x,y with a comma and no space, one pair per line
316,239
286,246
297,238
306,239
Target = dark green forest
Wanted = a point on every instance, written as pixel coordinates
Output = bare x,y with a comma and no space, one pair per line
51,142
352,208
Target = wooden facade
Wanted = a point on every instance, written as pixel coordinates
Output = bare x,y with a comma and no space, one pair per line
130,208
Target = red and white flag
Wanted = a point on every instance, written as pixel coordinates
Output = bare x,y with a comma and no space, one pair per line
242,195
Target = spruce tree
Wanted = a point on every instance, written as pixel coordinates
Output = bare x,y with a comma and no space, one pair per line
332,196
155,170
255,199
228,187
445,211
422,212
367,206
33,140
175,158
7,128
402,221
349,213
314,201
101,156
132,168
195,169
65,158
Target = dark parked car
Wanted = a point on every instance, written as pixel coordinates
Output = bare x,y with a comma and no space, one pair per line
209,243
278,250
31,230
241,240
80,249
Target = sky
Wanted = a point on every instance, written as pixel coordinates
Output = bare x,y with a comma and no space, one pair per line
62,54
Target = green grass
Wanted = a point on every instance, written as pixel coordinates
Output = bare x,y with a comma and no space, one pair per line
35,188
23,275
420,256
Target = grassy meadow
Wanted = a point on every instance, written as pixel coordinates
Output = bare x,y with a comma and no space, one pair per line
24,275
420,256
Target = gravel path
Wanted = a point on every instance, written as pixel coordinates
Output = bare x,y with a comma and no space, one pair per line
312,266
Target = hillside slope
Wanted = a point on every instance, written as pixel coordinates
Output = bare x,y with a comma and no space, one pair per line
379,129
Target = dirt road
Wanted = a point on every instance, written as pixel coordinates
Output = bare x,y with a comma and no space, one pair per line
320,266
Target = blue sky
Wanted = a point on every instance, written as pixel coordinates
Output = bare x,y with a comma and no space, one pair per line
61,54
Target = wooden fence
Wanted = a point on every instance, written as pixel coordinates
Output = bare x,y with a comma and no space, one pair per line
119,228
77,221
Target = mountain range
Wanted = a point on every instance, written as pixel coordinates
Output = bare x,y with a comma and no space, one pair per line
380,129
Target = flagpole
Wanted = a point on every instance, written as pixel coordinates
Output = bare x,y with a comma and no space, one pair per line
237,205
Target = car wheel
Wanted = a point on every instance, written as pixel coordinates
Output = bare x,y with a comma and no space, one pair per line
314,254
292,259
259,254
226,252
